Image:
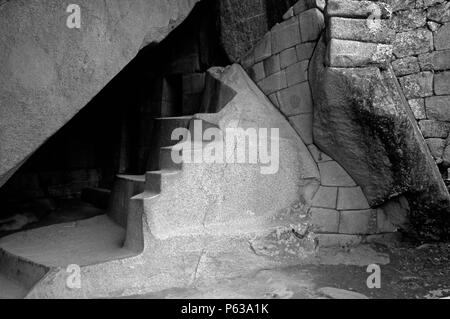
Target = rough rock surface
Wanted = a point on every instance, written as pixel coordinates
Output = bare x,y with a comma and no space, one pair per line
361,122
49,72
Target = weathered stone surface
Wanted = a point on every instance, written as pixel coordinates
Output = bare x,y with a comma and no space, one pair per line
332,174
406,66
272,64
285,35
288,57
257,72
408,20
438,107
351,198
446,156
263,49
296,99
418,108
305,50
357,9
442,83
335,293
433,128
442,37
297,73
360,112
318,155
345,53
360,30
413,42
357,222
437,60
393,215
326,197
417,85
439,13
324,220
436,146
50,72
304,5
433,26
397,5
311,24
273,83
302,123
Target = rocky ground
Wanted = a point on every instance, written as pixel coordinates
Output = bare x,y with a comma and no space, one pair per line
415,271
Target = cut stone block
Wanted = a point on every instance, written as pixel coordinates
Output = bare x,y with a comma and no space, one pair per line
297,73
273,83
289,14
332,174
436,146
296,99
433,128
357,9
338,240
274,100
303,125
384,224
304,5
418,108
442,37
326,197
358,222
351,198
305,50
285,35
441,83
438,107
346,53
360,30
405,66
437,60
324,220
439,13
311,24
263,49
417,85
408,20
318,155
413,42
272,64
288,57
257,72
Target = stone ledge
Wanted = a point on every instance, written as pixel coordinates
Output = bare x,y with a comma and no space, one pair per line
357,9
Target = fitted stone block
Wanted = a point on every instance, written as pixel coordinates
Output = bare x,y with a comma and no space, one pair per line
288,57
332,174
273,83
417,85
304,5
263,49
346,53
272,64
296,99
325,197
274,100
297,73
257,72
436,146
413,42
384,224
433,128
318,155
311,24
418,108
285,35
439,13
405,66
442,37
360,30
408,20
351,198
338,240
357,9
441,83
324,220
437,60
358,222
305,50
303,125
438,107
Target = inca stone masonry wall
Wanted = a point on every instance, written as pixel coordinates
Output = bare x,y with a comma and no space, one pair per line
279,63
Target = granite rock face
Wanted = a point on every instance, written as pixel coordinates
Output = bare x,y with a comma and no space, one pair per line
43,87
361,121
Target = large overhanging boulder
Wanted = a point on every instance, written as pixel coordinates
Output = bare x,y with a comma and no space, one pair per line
362,121
49,71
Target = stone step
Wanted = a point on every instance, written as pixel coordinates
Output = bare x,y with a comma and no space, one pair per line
157,181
